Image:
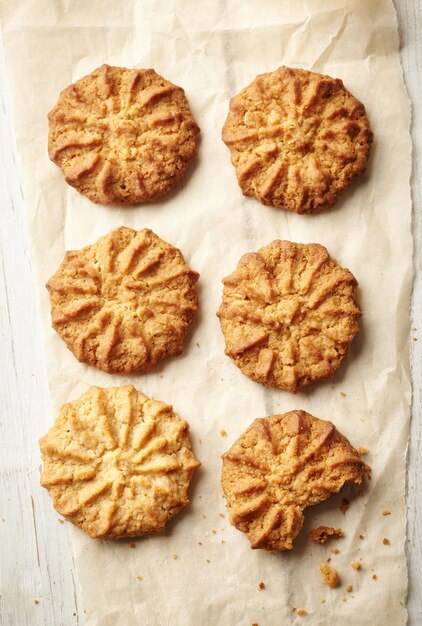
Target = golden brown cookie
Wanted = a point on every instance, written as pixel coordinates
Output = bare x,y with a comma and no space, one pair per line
124,302
117,464
297,139
278,467
289,314
122,136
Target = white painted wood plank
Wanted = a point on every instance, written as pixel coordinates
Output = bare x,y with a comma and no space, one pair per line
36,558
410,29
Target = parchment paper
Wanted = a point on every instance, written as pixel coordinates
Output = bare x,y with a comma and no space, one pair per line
213,49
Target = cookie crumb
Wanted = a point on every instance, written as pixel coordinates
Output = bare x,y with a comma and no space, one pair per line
349,588
343,394
208,561
174,555
361,536
222,541
344,505
60,521
214,532
261,585
131,545
301,612
329,575
356,565
36,601
344,599
322,600
323,533
223,433
335,551
386,541
386,512
139,578
198,345
199,543
374,577
221,515
363,451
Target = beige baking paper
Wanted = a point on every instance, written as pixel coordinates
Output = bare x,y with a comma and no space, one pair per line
213,49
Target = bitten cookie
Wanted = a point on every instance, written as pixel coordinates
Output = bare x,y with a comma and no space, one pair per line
288,315
297,139
124,302
117,464
278,467
122,136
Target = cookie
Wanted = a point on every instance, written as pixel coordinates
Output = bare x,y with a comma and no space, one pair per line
124,302
278,467
117,464
288,315
297,139
122,136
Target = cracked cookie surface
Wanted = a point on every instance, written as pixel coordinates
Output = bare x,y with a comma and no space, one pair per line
122,136
297,139
117,464
289,313
279,466
124,302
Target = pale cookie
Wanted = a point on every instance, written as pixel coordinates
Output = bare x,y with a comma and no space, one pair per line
124,302
297,139
278,467
122,136
117,464
288,315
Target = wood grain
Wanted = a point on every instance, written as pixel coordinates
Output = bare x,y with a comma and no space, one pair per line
37,574
410,30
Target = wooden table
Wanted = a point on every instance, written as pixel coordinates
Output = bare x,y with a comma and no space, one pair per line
37,573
